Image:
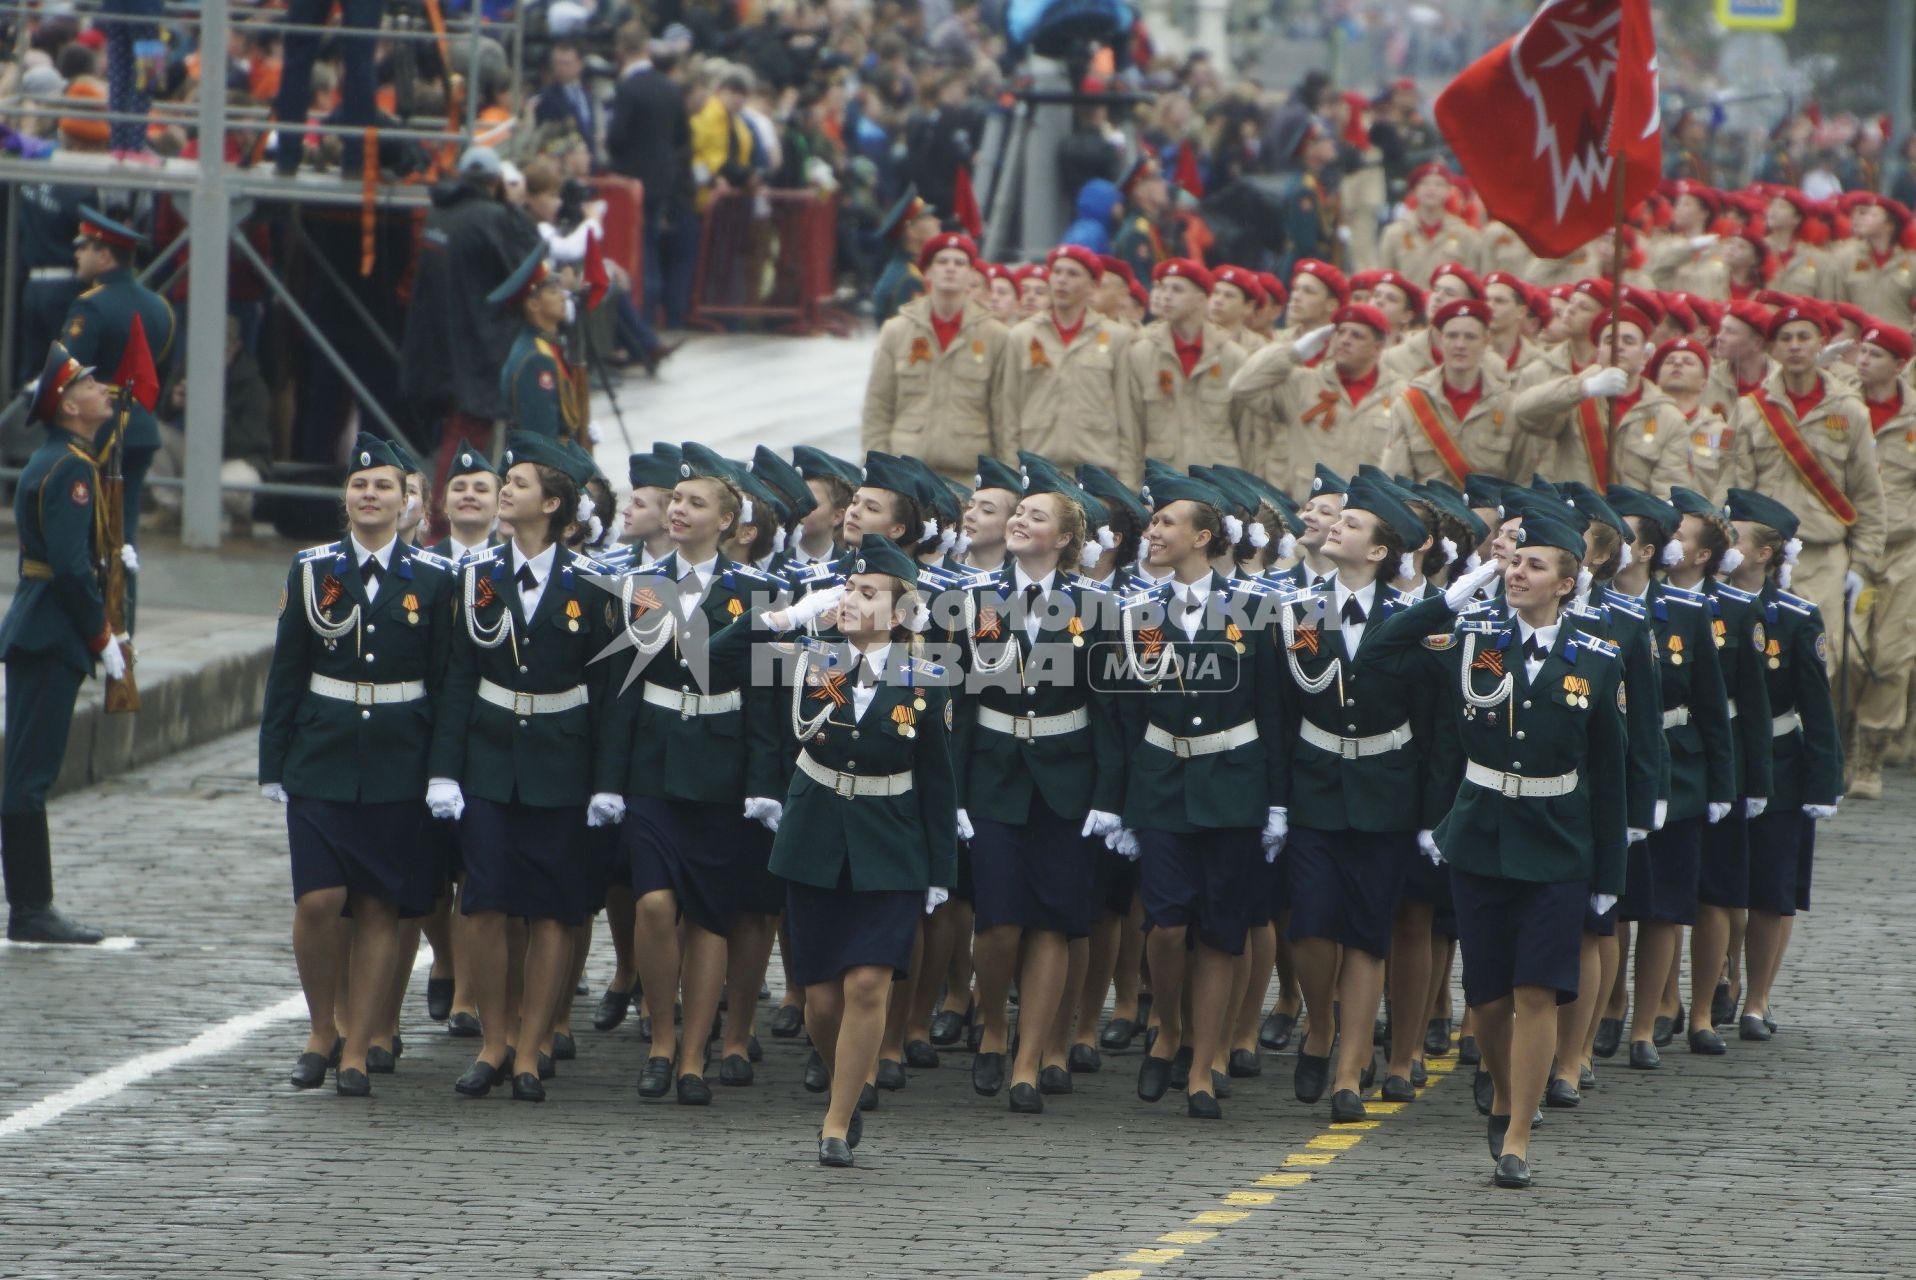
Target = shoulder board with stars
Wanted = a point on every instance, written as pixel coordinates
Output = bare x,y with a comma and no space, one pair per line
1729,592
1681,596
432,560
1796,604
1600,647
321,552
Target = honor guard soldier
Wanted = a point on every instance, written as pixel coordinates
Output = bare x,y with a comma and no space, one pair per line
1537,830
1454,419
1148,234
1807,760
360,656
54,631
1428,233
1174,383
932,392
1334,412
542,393
907,227
98,333
1060,377
1205,762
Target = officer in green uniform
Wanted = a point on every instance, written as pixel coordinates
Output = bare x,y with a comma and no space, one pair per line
1807,754
53,632
1146,234
98,332
906,228
1536,833
537,383
361,649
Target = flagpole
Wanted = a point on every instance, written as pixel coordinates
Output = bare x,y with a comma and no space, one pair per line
1616,291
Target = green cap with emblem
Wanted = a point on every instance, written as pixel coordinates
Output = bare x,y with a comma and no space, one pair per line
658,469
993,474
470,461
879,554
1109,490
370,451
1382,501
546,451
785,480
1549,530
1759,508
815,464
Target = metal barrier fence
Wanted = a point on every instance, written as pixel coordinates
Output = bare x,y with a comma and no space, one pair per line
769,256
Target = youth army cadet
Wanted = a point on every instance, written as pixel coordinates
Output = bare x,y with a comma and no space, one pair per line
1455,419
1428,234
54,631
1174,383
1873,270
1331,413
1061,378
542,394
1881,713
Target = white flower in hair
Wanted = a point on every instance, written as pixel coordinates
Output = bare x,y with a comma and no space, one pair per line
1107,540
1583,582
1626,559
1407,565
1088,554
778,540
962,545
1286,547
584,513
1233,529
1472,561
1450,550
947,540
929,531
1260,536
1731,560
1672,553
1791,550
745,512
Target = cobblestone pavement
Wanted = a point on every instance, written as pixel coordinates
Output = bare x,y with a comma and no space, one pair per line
1792,1158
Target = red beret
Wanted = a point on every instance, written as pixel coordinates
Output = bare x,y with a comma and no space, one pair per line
1897,342
1079,254
1183,268
1398,280
1428,169
1594,287
1850,313
1538,300
1510,279
1709,312
1274,288
995,270
1804,206
1118,267
1711,198
1030,271
1365,314
1470,307
1646,301
947,240
1332,278
1365,281
1676,306
1246,282
1471,279
1754,314
1851,200
1628,313
1790,315
1138,292
1701,350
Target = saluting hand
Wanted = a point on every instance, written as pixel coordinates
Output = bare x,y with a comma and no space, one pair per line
1458,593
1313,342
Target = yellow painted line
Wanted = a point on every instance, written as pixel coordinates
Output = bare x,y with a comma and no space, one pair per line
1347,1126
1249,1197
1283,1180
1217,1217
1115,1275
1308,1158
1334,1141
1154,1255
1385,1108
1186,1237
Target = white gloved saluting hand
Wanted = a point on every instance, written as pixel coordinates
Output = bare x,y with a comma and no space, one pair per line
802,611
1607,381
1458,593
1308,346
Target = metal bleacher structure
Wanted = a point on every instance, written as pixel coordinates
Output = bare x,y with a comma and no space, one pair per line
221,197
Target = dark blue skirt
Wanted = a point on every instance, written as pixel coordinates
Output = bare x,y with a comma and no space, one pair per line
374,849
689,847
1723,873
1518,933
1201,880
1782,849
1038,874
605,863
836,930
1117,882
1660,875
756,890
527,861
440,838
1345,885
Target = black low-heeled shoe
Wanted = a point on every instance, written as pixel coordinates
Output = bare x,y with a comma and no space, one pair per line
786,1020
463,1026
987,1074
1561,1094
1483,1092
693,1091
1083,1060
613,1006
754,1051
564,1047
1276,1030
855,1131
1054,1081
1644,1055
1026,1100
1245,1064
1468,1054
834,1153
1202,1105
478,1079
891,1074
1609,1037
1437,1037
526,1088
1154,1078
1347,1107
1753,1027
1705,1040
948,1026
1586,1079
1662,1031
1117,1034
1312,1074
1722,1007
1397,1089
920,1056
309,1071
352,1084
867,1098
1181,1067
1495,1127
548,1069
655,1077
438,998
1419,1073
1220,1085
817,1079
735,1071
1512,1172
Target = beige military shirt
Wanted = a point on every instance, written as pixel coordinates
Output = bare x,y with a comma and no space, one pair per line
1311,415
1182,420
1648,448
1063,402
937,404
1485,437
1837,432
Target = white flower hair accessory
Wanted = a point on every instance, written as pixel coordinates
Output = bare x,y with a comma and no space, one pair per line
1233,529
1732,559
1672,553
1260,536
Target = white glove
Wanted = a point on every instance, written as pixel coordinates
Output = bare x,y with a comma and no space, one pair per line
935,898
605,809
1718,810
593,433
1833,351
1458,593
273,791
1820,811
1633,834
1852,586
1753,806
1602,902
1099,823
1124,843
444,798
130,557
1277,825
1605,382
1702,242
1427,842
766,812
964,826
1662,815
113,658
1313,342
800,612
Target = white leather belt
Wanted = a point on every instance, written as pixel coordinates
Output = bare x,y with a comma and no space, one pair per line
1676,717
848,785
1204,744
689,703
1355,748
1034,726
1515,786
1787,723
362,694
531,704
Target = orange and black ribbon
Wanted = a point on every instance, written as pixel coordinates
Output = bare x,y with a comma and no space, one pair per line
832,689
1491,660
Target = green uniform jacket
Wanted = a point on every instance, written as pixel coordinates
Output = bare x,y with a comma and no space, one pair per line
536,387
545,760
96,330
1741,637
1326,791
1808,760
327,748
1622,621
898,284
1702,769
1210,687
1533,729
652,750
57,609
1073,772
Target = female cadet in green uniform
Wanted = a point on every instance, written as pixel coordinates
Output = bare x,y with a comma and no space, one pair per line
515,752
1808,757
1039,775
360,654
683,748
1723,879
1537,829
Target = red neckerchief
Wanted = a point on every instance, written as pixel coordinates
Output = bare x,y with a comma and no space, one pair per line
1516,349
1629,402
1067,336
1461,402
1745,388
946,330
1882,259
1430,232
1742,292
1804,403
1881,411
1358,388
1189,353
1689,415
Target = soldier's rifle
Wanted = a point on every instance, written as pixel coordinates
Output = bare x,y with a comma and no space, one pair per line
123,694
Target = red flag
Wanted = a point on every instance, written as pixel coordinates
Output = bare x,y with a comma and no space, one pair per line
1187,171
136,372
964,204
597,280
1541,122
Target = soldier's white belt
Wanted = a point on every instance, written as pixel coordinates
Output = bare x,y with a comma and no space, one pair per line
363,694
1787,723
1376,744
1034,726
847,785
531,704
1676,717
1515,786
1204,744
689,703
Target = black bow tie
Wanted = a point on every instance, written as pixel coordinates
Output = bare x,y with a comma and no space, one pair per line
1534,652
865,677
1033,593
1353,612
526,579
370,572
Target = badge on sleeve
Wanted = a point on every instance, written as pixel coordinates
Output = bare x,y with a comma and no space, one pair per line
1757,637
77,328
545,380
1822,649
81,493
1623,701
